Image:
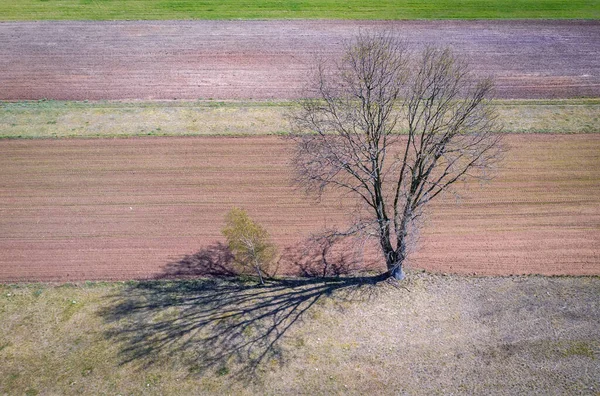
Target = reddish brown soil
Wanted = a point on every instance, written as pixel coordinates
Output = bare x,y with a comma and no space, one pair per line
270,59
133,208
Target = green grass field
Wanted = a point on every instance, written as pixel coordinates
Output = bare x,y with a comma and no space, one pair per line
57,119
433,335
297,9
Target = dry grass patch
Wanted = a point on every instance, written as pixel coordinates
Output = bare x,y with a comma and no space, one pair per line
56,119
432,334
560,116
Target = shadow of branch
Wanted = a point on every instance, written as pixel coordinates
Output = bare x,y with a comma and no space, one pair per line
215,260
217,323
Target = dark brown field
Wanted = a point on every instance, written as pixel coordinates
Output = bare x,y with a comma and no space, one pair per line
270,59
133,208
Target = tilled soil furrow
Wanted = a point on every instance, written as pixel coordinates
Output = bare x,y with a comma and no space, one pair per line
271,59
69,211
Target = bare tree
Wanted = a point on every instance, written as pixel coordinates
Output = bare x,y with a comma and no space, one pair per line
394,130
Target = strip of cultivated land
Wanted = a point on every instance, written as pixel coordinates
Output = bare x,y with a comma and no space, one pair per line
134,208
446,335
271,59
50,119
305,9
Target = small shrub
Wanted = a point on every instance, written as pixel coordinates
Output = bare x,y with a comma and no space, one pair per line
249,243
222,371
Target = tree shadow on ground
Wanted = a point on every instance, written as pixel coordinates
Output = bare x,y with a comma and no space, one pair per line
215,260
325,255
221,324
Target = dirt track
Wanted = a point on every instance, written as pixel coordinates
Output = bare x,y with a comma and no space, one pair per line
132,208
269,59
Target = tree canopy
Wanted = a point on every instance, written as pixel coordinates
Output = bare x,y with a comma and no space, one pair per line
395,130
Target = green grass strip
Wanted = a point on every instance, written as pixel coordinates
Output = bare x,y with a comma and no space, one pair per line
24,10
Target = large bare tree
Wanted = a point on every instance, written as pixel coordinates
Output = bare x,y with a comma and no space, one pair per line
396,131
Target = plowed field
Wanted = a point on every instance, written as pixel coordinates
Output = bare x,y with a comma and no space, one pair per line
133,208
270,59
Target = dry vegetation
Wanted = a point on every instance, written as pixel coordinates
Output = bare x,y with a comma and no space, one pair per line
432,335
55,119
50,119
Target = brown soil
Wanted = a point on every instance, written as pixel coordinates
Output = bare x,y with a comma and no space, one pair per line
134,208
270,59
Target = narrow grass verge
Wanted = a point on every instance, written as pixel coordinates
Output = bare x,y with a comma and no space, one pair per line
59,119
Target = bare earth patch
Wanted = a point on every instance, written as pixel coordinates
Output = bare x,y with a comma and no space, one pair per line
270,59
134,208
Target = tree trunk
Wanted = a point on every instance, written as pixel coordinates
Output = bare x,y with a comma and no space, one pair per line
395,258
259,273
394,264
397,272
